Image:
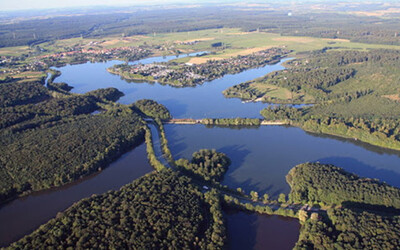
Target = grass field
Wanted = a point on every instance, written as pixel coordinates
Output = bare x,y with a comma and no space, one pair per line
235,43
272,92
26,76
11,51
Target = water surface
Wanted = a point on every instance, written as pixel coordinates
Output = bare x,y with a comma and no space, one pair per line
201,101
261,157
255,231
24,215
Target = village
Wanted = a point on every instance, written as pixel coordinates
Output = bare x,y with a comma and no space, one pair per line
11,65
188,74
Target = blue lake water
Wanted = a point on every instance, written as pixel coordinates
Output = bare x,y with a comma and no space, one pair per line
201,101
261,157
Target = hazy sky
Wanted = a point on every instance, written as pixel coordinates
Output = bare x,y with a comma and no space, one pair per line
6,5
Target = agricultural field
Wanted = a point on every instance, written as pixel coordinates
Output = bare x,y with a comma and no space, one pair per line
234,42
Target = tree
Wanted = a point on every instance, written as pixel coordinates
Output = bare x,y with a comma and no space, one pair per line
314,216
254,195
282,198
302,216
266,198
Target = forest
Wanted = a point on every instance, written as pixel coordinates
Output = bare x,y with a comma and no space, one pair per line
157,211
13,93
345,228
320,76
364,106
206,163
381,132
343,187
49,137
368,217
152,109
299,83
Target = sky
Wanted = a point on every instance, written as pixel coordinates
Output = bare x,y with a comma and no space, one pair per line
11,5
7,5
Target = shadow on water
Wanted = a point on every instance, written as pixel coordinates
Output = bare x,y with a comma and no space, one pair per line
364,170
177,144
241,229
364,145
177,108
255,231
237,154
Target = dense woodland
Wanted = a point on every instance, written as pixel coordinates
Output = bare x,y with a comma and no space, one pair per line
158,211
152,109
14,93
343,187
206,163
351,229
49,137
368,218
61,152
378,131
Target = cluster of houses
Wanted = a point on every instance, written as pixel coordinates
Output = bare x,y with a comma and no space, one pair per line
108,52
196,73
9,66
32,66
159,71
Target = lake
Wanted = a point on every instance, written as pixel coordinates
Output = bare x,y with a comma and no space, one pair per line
261,157
201,101
254,231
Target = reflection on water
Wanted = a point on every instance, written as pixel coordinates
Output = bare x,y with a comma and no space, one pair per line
255,231
261,157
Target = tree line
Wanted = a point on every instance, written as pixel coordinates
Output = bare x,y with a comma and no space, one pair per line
358,29
343,187
368,217
159,210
